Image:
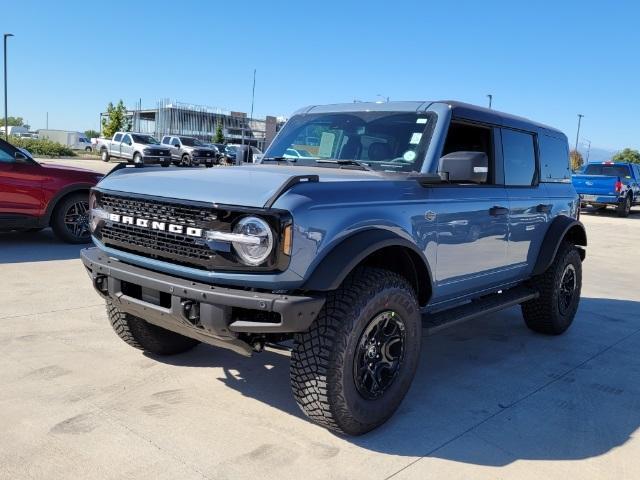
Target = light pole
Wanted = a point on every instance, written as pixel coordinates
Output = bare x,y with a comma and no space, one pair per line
490,97
588,142
578,132
6,119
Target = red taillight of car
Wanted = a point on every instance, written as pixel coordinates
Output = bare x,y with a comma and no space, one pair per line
618,186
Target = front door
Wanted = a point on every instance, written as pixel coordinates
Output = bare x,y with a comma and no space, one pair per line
472,219
21,196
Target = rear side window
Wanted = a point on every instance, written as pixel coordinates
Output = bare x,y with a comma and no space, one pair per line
118,137
554,159
608,170
519,158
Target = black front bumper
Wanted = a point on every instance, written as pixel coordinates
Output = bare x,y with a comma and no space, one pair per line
209,313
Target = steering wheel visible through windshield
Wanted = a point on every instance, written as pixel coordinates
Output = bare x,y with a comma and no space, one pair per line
387,141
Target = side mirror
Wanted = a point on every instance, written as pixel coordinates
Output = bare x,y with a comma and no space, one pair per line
465,167
23,156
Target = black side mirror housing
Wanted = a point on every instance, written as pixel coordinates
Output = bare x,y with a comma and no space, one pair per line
465,167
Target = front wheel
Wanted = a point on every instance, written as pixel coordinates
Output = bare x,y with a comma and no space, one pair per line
559,287
137,159
352,368
70,219
624,209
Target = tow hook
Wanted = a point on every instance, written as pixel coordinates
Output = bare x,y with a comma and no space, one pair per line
191,312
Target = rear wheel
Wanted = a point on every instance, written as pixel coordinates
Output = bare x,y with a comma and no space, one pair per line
553,311
353,367
104,155
145,336
70,219
624,208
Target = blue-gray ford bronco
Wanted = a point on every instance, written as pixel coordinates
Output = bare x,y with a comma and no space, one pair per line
363,225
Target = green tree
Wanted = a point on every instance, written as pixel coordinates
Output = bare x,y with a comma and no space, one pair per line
219,137
576,160
13,121
627,155
116,119
91,133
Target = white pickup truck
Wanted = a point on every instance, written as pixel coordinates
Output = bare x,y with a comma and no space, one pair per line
138,148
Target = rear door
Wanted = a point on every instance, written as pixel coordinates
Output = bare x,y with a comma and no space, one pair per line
529,205
114,146
126,147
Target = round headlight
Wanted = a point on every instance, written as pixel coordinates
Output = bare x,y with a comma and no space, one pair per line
257,245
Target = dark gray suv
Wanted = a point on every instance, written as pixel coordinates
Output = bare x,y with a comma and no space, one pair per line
189,151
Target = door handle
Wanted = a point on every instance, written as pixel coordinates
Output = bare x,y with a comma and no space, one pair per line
497,211
543,208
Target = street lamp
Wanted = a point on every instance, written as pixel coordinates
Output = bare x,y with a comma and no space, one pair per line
578,132
490,97
588,142
6,119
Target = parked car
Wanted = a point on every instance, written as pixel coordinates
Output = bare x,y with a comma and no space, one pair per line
189,151
609,184
71,139
341,252
139,148
229,152
37,195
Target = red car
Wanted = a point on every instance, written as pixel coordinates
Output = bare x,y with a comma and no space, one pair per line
37,195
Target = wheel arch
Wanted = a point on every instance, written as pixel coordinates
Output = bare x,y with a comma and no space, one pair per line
378,248
562,228
61,195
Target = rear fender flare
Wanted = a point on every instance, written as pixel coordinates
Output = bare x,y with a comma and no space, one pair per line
561,228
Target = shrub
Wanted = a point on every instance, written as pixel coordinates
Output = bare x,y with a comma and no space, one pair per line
42,146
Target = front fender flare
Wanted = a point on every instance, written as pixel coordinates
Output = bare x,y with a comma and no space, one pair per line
350,252
60,194
561,227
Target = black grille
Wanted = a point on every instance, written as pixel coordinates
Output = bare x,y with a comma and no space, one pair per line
177,248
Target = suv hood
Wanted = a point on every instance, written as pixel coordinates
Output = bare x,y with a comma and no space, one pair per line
250,186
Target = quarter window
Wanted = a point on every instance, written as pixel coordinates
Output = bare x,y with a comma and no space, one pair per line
519,158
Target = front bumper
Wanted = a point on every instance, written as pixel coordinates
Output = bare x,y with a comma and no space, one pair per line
586,199
209,313
155,159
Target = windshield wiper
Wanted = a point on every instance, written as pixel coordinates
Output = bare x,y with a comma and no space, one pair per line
357,163
289,161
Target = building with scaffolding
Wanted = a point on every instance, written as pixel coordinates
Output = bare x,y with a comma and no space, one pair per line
175,118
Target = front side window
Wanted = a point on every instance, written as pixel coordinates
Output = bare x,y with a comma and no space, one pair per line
6,157
165,140
126,140
518,150
387,141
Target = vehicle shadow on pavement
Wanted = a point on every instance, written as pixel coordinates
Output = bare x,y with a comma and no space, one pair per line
611,213
18,247
491,392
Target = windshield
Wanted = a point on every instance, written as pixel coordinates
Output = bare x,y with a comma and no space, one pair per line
145,139
608,170
388,141
191,142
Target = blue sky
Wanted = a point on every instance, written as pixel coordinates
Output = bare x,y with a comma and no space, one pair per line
544,60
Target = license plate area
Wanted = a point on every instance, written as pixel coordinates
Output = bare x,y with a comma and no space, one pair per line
589,198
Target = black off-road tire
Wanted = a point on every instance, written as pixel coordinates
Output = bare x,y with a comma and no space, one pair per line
60,214
323,375
545,314
624,209
146,336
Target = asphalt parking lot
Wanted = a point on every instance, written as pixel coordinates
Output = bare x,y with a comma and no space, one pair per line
490,400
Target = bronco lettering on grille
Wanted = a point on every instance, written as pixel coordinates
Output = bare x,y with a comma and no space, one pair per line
154,225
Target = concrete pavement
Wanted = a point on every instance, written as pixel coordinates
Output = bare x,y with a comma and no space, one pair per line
490,399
